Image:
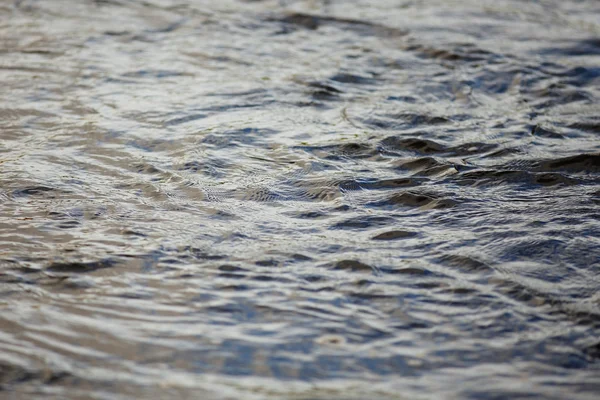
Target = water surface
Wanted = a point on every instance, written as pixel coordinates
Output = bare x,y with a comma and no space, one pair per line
300,199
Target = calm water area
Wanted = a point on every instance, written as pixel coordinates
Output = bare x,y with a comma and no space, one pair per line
300,199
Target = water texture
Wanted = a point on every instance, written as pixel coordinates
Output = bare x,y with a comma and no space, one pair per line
300,199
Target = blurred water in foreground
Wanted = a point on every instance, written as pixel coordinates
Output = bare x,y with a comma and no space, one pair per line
300,199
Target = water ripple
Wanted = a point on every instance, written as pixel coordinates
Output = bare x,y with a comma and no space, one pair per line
299,199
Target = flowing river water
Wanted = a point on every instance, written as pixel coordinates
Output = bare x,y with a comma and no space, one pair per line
316,200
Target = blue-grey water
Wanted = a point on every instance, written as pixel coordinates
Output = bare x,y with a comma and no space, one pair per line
311,200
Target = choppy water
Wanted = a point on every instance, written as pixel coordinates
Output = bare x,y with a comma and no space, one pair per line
300,199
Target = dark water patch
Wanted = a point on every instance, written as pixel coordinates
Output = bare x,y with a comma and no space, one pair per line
117,33
247,94
468,149
511,177
592,126
195,253
522,293
586,47
579,317
352,266
414,199
499,394
582,163
323,91
431,286
154,74
410,271
34,191
235,287
353,79
460,291
489,177
402,144
184,119
552,179
312,215
394,235
404,121
270,278
393,183
213,167
397,145
267,263
172,27
233,138
403,99
464,263
350,184
426,166
355,150
192,166
460,52
306,21
300,258
303,191
81,267
548,250
556,94
593,351
14,278
581,76
231,268
134,233
499,81
12,375
237,107
146,168
261,194
545,133
364,222
69,224
109,3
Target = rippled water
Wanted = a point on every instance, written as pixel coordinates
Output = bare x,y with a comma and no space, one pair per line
300,199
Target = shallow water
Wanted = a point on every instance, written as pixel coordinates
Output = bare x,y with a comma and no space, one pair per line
300,199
